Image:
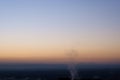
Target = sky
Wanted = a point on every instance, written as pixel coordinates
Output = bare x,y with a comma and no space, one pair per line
46,31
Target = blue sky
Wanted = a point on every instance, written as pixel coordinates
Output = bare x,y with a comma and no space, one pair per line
89,26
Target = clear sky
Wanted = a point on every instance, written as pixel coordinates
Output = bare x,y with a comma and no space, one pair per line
45,30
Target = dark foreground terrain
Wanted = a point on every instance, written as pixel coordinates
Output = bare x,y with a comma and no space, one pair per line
60,74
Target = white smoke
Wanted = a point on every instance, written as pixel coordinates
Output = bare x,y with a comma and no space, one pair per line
72,64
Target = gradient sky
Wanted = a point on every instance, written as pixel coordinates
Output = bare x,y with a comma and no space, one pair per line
46,30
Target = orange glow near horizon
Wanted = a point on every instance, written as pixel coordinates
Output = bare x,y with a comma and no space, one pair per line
57,54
